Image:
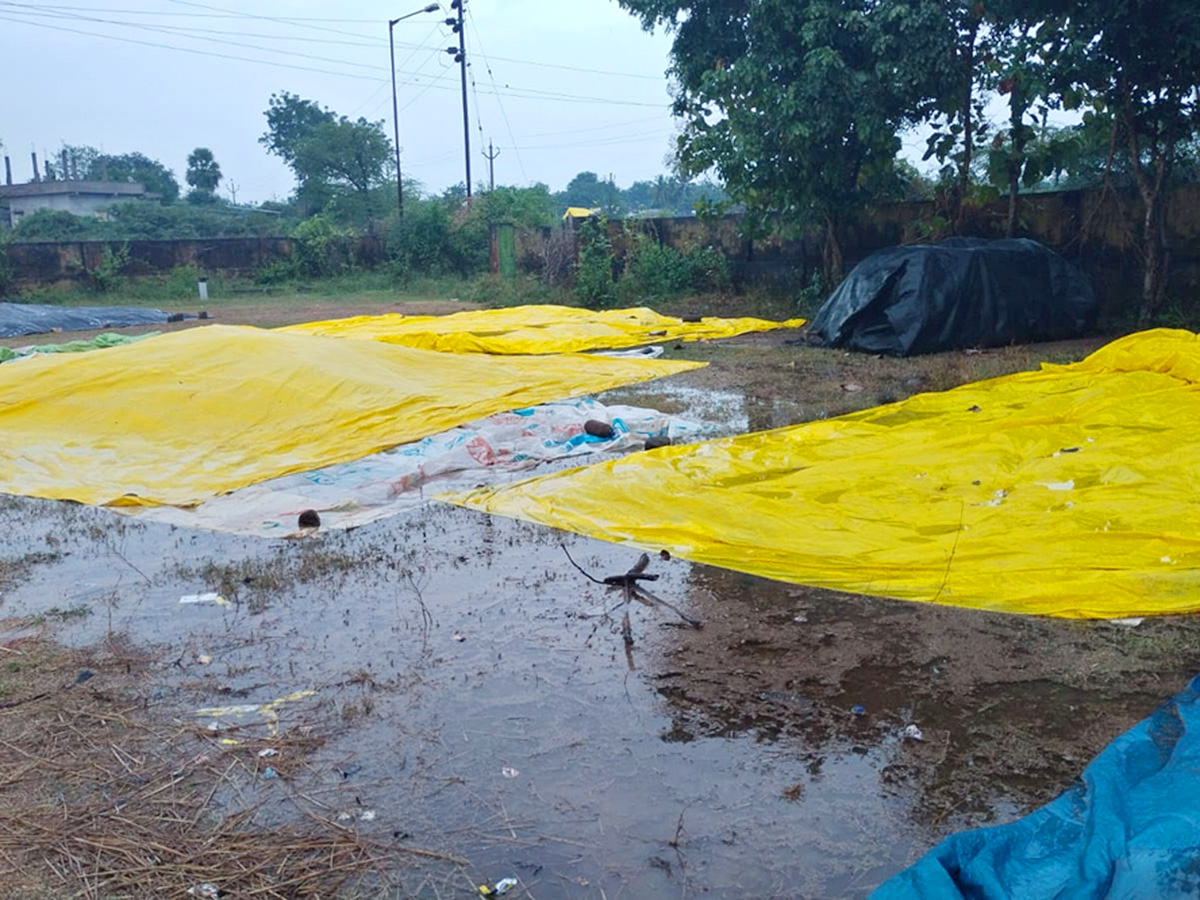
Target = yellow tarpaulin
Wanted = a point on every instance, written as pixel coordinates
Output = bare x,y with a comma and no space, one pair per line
179,418
535,329
1072,491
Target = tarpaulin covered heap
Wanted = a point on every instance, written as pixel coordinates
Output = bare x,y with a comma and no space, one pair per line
1127,829
535,329
961,292
1069,491
184,416
18,319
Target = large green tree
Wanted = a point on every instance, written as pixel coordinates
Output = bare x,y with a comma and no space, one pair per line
797,104
338,162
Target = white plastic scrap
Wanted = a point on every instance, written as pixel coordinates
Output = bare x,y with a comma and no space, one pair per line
267,751
207,597
204,890
1132,622
509,772
504,885
912,733
1059,485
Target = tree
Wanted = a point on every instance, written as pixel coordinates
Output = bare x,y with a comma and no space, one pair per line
797,104
203,172
588,190
332,156
290,119
136,167
1135,64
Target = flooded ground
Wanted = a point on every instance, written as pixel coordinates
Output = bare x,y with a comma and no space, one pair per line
475,701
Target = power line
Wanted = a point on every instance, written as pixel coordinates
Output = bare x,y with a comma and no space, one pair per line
499,102
300,21
517,92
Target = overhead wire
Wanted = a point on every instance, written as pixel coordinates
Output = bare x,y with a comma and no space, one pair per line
518,92
499,101
301,21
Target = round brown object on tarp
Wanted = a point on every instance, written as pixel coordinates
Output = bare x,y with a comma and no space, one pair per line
599,429
310,519
659,440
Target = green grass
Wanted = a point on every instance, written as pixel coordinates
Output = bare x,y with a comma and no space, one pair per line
364,287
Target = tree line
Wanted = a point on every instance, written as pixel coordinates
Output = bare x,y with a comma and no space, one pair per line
798,106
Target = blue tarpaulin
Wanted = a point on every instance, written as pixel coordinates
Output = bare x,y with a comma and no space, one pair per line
1130,828
17,319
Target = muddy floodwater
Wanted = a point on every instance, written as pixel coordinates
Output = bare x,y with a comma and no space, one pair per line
479,702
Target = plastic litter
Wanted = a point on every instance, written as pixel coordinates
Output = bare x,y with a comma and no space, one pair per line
267,751
268,712
459,636
858,710
207,597
269,773
205,891
204,659
367,815
504,885
509,772
895,501
912,733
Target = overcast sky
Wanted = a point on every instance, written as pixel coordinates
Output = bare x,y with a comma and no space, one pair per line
559,86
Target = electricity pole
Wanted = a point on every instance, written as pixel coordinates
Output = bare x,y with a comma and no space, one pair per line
490,156
432,7
461,59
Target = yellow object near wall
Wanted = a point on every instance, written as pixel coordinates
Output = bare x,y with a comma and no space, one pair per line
535,329
182,417
1072,491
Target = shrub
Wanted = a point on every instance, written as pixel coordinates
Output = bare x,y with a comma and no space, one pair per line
594,284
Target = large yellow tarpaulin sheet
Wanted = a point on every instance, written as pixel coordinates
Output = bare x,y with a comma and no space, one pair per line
1071,491
182,417
535,329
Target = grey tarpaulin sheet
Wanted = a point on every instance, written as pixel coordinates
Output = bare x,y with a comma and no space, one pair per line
17,319
961,292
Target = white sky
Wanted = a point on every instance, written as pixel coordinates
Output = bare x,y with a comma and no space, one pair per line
574,84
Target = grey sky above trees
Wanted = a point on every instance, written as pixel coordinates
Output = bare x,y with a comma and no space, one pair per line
580,85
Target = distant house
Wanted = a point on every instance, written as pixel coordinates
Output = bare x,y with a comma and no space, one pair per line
83,198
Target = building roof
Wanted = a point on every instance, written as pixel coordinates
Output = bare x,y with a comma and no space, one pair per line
93,188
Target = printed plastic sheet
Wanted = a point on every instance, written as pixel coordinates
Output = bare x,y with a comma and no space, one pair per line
17,319
1126,829
535,329
493,449
1069,491
184,416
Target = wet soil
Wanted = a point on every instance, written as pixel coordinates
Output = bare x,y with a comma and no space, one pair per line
487,708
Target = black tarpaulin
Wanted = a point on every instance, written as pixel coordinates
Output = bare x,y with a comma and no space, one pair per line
961,292
17,319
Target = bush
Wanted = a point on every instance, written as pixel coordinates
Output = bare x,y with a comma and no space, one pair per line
594,284
434,239
321,248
